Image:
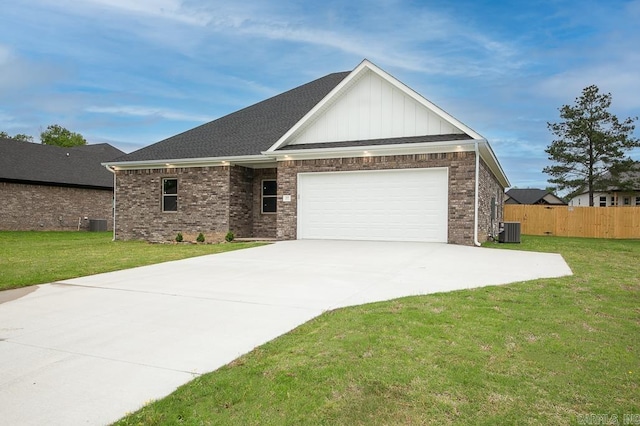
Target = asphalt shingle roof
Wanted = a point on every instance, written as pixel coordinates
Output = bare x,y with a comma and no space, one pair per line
46,164
249,131
527,196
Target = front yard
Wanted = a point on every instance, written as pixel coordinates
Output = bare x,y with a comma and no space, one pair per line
551,351
28,258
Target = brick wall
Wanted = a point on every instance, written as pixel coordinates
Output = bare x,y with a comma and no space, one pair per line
488,188
40,207
241,201
264,225
461,186
203,204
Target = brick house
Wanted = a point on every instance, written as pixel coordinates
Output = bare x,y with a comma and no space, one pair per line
352,155
47,187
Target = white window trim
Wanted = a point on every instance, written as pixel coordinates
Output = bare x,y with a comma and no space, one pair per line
169,195
262,196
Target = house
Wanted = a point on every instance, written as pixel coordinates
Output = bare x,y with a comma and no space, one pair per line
614,196
352,155
532,196
47,187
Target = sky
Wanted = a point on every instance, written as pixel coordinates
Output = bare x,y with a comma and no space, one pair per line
134,72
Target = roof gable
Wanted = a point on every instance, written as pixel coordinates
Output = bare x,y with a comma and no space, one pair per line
533,196
371,104
53,165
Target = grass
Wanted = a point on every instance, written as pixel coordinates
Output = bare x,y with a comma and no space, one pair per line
28,258
550,351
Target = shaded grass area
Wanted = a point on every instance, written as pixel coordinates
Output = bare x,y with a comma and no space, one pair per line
28,258
550,351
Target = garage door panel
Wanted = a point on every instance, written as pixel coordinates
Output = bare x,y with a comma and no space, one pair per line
402,205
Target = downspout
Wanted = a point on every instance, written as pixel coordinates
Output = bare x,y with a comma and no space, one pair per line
114,200
475,213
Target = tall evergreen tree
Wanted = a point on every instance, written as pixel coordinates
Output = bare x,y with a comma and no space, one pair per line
591,144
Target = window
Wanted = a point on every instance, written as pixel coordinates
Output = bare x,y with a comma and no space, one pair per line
613,201
603,201
170,195
627,201
637,201
269,196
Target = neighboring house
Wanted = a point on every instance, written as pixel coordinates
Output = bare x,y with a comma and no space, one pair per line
614,196
532,196
353,155
53,188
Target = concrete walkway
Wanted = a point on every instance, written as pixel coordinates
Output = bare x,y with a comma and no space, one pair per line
88,350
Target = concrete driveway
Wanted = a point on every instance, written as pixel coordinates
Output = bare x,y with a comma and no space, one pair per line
88,350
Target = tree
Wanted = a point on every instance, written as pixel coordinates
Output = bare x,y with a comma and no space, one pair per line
590,145
58,135
18,137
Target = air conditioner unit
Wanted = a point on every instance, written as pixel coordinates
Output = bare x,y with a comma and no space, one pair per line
509,232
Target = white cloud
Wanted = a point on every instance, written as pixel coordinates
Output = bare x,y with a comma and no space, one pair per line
427,41
141,111
18,73
619,78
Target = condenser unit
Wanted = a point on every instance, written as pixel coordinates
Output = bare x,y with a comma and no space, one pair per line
509,232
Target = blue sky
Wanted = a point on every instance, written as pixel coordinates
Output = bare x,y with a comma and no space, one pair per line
132,73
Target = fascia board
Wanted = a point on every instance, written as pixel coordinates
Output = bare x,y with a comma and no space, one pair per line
186,162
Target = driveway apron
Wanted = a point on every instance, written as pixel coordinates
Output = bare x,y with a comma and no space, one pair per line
91,349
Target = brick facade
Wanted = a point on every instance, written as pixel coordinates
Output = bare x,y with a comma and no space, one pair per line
264,224
489,190
28,207
203,204
241,201
213,200
461,186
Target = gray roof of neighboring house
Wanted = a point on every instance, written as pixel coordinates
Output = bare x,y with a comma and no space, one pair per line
630,178
54,165
249,131
528,196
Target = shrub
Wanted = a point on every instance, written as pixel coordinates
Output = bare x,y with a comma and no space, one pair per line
200,238
229,237
179,238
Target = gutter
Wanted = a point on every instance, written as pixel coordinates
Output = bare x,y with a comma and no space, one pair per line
114,199
477,185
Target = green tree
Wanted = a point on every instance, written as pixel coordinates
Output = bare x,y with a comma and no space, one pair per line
590,145
58,135
18,137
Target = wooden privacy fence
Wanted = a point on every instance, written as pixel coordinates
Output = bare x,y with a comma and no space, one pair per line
567,221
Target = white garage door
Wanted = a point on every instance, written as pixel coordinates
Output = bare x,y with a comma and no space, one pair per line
384,205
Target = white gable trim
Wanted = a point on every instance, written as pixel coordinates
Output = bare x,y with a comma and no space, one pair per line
364,66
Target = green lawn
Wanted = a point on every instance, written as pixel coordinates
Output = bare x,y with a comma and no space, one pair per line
28,258
551,351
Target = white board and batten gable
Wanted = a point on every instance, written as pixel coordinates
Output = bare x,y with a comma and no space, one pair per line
370,104
372,108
